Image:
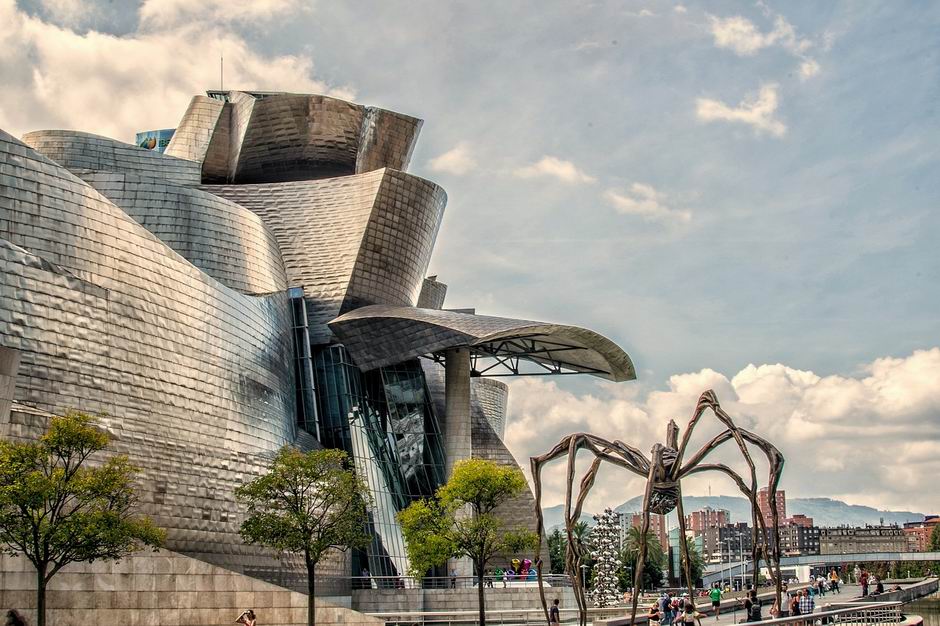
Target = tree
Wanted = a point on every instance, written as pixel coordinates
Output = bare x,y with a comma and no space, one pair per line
696,563
556,552
56,509
934,543
307,503
460,521
654,563
605,551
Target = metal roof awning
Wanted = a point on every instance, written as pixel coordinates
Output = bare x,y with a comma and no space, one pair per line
381,335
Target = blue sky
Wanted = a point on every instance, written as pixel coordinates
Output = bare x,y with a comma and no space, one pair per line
711,185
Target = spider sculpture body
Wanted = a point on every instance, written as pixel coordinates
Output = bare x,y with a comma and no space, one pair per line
664,470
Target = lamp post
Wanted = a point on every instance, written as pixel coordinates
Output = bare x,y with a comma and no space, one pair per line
584,576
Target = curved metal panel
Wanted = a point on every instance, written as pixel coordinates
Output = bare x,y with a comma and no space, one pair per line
77,151
351,240
380,335
196,377
223,239
194,132
253,137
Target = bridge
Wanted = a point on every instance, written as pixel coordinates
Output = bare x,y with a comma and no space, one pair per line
721,571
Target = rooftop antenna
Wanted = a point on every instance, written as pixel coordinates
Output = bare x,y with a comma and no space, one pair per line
221,72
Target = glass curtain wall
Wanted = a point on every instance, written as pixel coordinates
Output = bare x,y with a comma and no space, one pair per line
384,419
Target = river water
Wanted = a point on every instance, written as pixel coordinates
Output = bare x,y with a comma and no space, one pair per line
928,608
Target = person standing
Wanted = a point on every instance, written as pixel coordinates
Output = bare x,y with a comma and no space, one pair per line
807,603
863,580
554,614
794,605
715,595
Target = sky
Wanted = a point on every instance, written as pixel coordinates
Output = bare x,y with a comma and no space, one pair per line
744,196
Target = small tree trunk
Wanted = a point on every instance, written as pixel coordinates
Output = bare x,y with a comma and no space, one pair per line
311,584
41,595
480,595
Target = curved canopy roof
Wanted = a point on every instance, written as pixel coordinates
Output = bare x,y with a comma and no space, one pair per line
381,335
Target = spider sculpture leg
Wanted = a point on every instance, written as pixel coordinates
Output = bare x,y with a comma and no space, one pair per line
709,400
614,452
644,529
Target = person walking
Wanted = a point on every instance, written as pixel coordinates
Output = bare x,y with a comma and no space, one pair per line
665,608
715,595
554,614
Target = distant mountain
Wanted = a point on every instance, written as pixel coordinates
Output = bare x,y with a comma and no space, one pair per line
554,517
824,511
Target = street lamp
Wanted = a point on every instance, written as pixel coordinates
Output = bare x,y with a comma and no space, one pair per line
584,576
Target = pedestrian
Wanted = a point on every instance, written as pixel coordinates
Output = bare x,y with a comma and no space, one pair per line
247,618
667,609
690,615
715,595
794,605
807,603
863,579
654,616
879,586
752,604
554,614
15,619
775,610
453,578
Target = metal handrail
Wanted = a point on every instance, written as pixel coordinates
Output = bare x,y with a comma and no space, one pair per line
854,613
453,582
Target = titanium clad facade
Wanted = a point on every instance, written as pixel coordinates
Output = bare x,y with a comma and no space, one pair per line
105,317
349,241
276,137
226,241
76,151
260,284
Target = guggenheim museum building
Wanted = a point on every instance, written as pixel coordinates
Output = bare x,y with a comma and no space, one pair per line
258,281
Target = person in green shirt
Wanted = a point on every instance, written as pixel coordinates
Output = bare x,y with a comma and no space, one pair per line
715,595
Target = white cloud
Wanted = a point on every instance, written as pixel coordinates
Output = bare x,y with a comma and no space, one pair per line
553,167
744,38
808,69
867,439
56,77
756,110
162,13
646,202
679,8
458,160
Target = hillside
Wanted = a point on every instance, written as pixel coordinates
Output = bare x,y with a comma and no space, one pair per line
824,511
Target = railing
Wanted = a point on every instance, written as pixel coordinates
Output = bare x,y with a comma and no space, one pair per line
849,614
455,582
871,613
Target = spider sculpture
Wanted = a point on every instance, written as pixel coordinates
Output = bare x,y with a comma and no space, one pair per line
664,470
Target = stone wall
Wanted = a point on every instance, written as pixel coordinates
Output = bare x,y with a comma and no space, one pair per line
160,589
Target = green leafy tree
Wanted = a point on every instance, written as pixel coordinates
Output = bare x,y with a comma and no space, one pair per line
696,563
556,552
934,543
654,563
460,521
57,508
307,503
